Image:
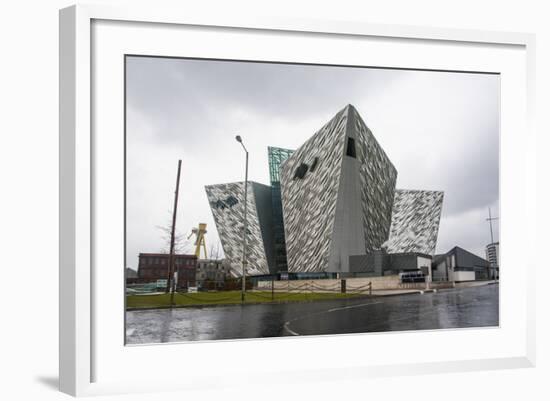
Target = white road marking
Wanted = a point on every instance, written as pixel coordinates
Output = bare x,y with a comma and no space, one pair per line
353,306
292,332
289,330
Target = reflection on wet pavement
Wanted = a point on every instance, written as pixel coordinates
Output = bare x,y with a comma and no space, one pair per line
459,308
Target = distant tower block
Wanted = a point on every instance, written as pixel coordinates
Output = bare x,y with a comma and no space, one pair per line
200,239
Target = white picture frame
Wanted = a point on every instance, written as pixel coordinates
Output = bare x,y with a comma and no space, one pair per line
85,352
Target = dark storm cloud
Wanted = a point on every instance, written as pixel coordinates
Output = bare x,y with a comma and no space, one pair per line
180,94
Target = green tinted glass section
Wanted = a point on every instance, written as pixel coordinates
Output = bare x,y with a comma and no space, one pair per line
276,157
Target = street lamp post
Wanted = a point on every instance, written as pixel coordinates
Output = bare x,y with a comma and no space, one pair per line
240,140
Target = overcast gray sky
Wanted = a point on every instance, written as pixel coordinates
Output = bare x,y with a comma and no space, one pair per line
440,130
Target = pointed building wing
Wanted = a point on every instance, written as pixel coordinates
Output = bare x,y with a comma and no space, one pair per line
227,205
309,197
415,221
378,177
337,195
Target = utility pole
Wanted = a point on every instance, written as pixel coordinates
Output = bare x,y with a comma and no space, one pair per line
170,285
490,220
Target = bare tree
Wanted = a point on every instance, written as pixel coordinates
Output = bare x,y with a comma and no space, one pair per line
181,243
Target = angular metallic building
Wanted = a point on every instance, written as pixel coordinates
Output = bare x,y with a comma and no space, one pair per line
337,194
227,205
415,221
332,198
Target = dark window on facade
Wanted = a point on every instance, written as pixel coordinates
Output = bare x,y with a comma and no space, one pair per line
301,171
314,164
350,151
231,201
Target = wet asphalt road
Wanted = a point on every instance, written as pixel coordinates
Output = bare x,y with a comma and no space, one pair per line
458,308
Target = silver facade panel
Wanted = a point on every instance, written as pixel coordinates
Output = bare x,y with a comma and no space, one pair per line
378,177
415,221
309,203
343,207
227,205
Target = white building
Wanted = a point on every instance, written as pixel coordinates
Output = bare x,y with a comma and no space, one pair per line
213,271
493,256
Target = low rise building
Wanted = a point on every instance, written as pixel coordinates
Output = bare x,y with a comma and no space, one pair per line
130,273
131,276
459,265
212,273
154,266
410,266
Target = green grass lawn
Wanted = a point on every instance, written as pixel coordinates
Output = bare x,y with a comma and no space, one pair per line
226,298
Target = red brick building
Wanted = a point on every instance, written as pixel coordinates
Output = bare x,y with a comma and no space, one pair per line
154,266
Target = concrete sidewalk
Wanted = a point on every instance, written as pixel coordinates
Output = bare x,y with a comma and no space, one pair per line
468,284
387,293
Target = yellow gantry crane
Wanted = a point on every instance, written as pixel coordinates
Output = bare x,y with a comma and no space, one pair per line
200,239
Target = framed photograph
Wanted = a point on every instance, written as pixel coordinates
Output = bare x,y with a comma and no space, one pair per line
332,195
